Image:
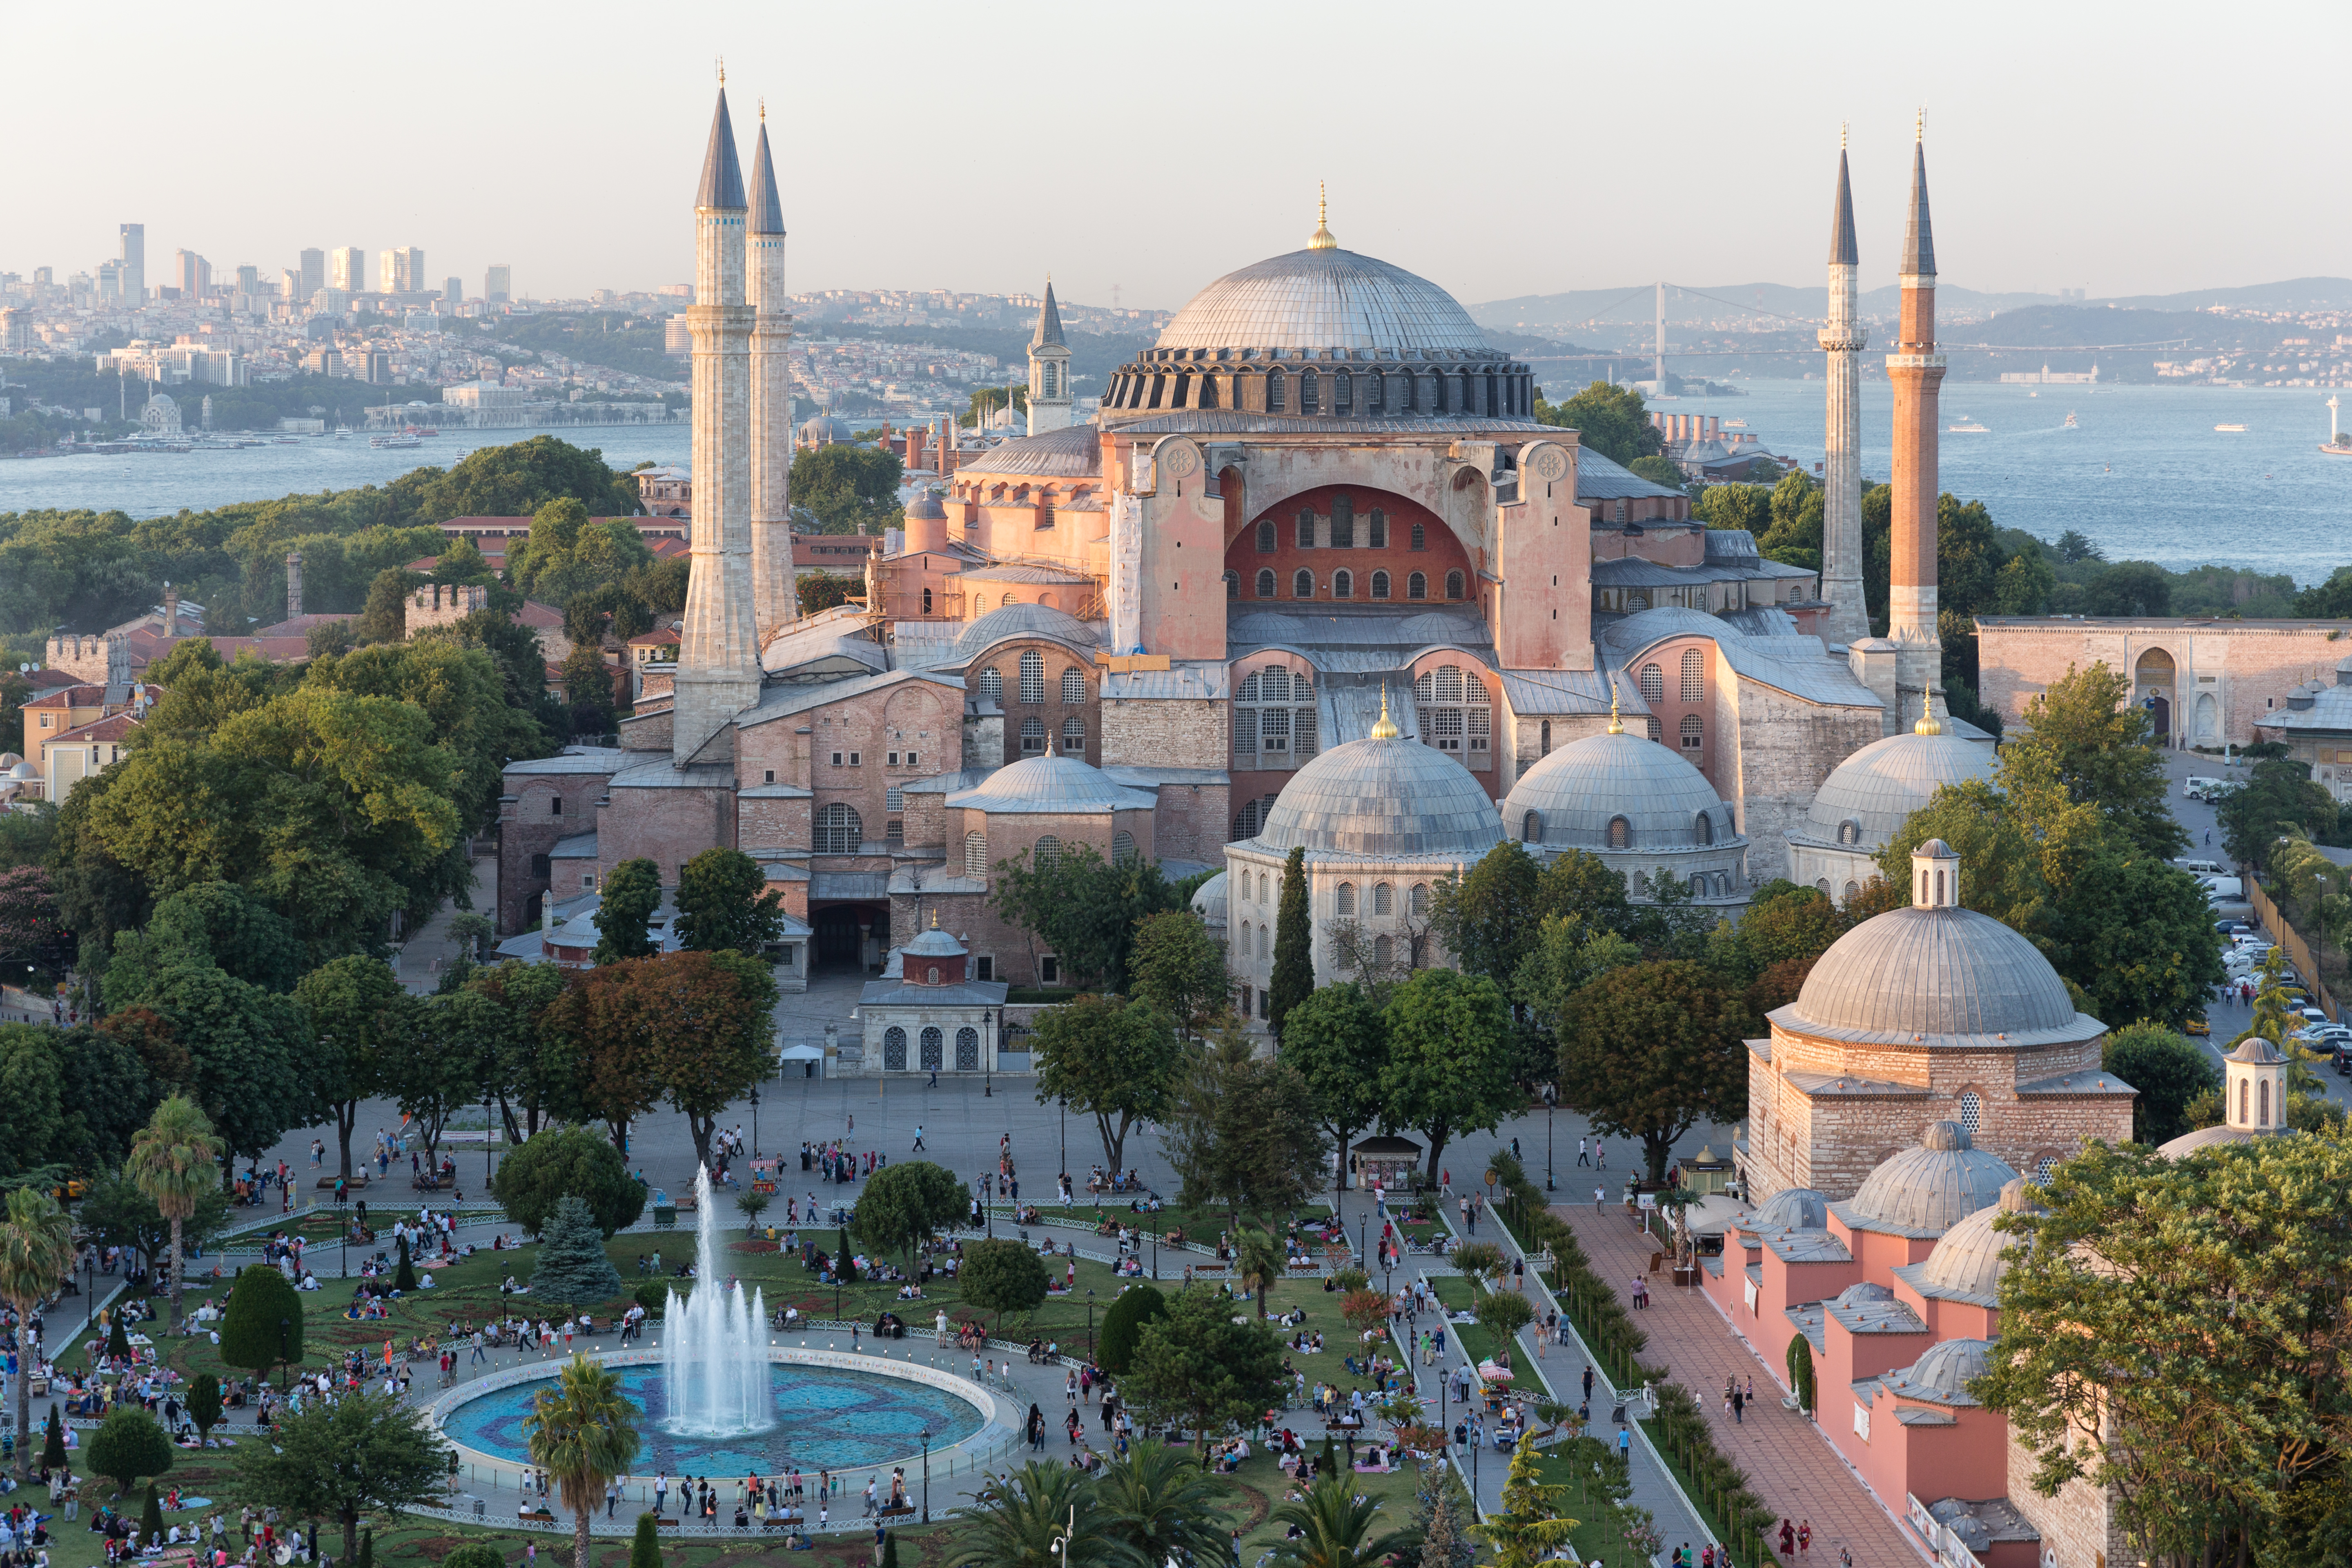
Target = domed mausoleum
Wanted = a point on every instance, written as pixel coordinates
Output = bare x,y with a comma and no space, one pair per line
1927,1014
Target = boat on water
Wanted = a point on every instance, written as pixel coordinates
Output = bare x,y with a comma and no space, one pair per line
1968,427
402,440
1735,424
2234,429
2070,422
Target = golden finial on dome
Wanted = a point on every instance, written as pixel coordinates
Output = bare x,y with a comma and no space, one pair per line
1616,725
1322,239
1927,725
1385,728
935,917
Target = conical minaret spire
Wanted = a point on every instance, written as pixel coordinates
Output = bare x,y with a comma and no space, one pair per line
719,652
1049,370
773,602
1842,338
1916,371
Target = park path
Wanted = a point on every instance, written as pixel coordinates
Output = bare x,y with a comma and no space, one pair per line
1790,1462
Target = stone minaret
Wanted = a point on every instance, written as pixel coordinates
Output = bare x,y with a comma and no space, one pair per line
1916,371
773,602
293,584
1049,370
1843,338
718,656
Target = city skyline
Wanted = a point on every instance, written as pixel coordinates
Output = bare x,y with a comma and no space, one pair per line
2063,163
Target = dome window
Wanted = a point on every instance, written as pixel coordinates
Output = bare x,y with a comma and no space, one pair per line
1343,392
1033,736
1047,852
1971,1112
1620,833
1849,832
1266,580
1531,827
1652,683
1309,393
1302,584
1379,585
1274,391
1345,901
1417,586
1706,828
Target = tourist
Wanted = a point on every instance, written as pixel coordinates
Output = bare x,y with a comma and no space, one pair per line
1804,1538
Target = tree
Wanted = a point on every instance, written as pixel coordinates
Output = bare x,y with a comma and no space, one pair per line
2085,735
1244,1134
1178,967
1502,1313
203,1403
1487,918
821,591
1337,1040
1528,1527
1164,1508
2167,1330
53,1437
1199,1366
31,931
32,1104
358,1012
262,1326
644,1547
1800,1371
694,1027
361,1452
1608,418
582,1432
242,1050
509,1010
215,925
624,912
1084,909
37,1254
724,902
2135,590
842,485
905,1206
1122,1326
1116,1060
1658,470
150,1516
385,617
439,1072
573,1268
1335,1525
2277,798
1002,1276
1293,980
173,1160
1025,1520
1648,1050
568,554
1448,1069
564,1162
1257,1263
1569,951
129,1443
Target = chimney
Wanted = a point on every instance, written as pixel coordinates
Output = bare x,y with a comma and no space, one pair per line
171,611
547,911
293,584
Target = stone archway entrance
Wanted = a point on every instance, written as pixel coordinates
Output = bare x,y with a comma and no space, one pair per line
2152,688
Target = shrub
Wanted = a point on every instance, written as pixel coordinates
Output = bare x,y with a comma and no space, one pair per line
1122,1326
483,1555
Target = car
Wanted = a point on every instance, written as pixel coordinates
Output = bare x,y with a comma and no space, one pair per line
2198,1027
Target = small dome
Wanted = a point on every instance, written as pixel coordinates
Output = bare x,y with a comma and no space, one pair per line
1050,784
1972,1256
1942,1373
926,506
1072,452
1792,1209
1880,786
1022,620
1646,626
2256,1051
1934,972
24,772
934,943
1864,1293
1437,626
1930,1189
1325,299
1584,787
1383,797
1209,901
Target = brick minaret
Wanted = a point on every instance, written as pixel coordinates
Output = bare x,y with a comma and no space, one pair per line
773,603
1843,338
1916,371
718,659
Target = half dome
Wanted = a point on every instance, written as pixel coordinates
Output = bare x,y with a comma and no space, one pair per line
1326,300
1968,1262
1022,620
1383,797
1791,1208
1573,798
1942,1373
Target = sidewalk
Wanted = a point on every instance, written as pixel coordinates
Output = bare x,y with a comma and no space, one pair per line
1790,1464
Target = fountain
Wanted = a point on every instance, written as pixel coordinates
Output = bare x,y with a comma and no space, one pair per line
714,1345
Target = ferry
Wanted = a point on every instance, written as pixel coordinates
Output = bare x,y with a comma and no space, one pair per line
401,441
1735,424
2070,423
1968,427
2232,429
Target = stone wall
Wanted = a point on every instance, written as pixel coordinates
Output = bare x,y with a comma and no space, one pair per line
2223,676
668,824
2079,1527
1774,751
543,809
1164,733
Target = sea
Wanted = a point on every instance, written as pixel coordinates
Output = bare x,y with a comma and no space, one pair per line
2143,474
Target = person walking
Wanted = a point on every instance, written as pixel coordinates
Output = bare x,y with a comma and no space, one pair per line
1738,1409
1598,1195
1804,1539
1583,1153
918,1139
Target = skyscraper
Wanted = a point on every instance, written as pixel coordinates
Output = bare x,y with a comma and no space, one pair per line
135,263
347,269
1842,340
498,284
453,291
313,276
774,602
403,270
289,285
248,279
196,275
1916,371
719,652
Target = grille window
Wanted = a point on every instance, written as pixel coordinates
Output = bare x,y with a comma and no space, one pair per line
1302,586
1379,584
1416,903
992,685
1343,516
1620,833
1304,530
1653,731
1383,899
975,856
1545,744
1416,586
1033,676
1694,676
1048,852
1343,584
1033,736
1309,392
1342,393
1074,687
838,831
1346,898
1420,537
1694,732
1122,849
1232,584
1265,537
1652,683
1971,1112
1376,530
1454,584
1265,582
1274,391
1074,737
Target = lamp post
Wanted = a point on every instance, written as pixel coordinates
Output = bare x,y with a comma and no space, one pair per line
1551,1103
1090,1323
486,1141
755,1121
926,1473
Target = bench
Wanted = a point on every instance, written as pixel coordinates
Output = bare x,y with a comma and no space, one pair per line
904,1510
536,1516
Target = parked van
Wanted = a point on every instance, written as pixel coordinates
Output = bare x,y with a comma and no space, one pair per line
2224,889
2201,868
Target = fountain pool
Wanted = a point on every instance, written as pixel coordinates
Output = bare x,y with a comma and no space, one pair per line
826,1417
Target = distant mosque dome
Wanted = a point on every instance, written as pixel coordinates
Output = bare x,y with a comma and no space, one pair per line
824,429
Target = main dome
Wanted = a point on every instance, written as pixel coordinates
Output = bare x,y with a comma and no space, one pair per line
1950,974
1383,797
1328,298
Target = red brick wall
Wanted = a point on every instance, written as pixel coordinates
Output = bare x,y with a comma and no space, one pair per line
1400,559
528,826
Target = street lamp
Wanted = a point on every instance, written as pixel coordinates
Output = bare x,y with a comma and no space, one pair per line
486,1141
926,1473
1551,1103
1090,1323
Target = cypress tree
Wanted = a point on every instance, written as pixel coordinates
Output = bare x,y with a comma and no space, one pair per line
53,1445
890,1550
645,1550
1294,946
150,1518
118,1342
405,1280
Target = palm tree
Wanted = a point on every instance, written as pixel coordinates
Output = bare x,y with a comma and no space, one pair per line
1338,1530
1043,1517
1164,1506
172,1161
1258,1261
36,1253
582,1432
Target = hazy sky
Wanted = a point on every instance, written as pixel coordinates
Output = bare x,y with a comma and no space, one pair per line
1498,149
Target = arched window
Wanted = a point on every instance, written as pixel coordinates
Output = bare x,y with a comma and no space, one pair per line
1379,584
1343,392
1544,742
1376,530
1303,530
1345,901
1420,537
1416,902
967,1049
1383,899
1046,852
1652,683
1698,884
2041,1168
927,601
1261,887
1033,736
1302,584
1852,891
931,975
931,1042
1454,584
1122,847
1265,582
1620,833
893,1049
1274,391
1456,715
1073,736
2245,1111
1074,687
1652,730
1383,952
1261,941
2263,1099
1849,832
1694,676
1704,828
1265,536
979,603
1232,584
992,685
1343,523
1416,586
1343,584
1693,730
1033,676
1971,1112
975,856
1309,393
837,831
1531,827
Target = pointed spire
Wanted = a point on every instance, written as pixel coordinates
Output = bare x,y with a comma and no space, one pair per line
1918,235
1616,725
1049,320
767,211
723,175
1385,728
1843,251
1321,240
